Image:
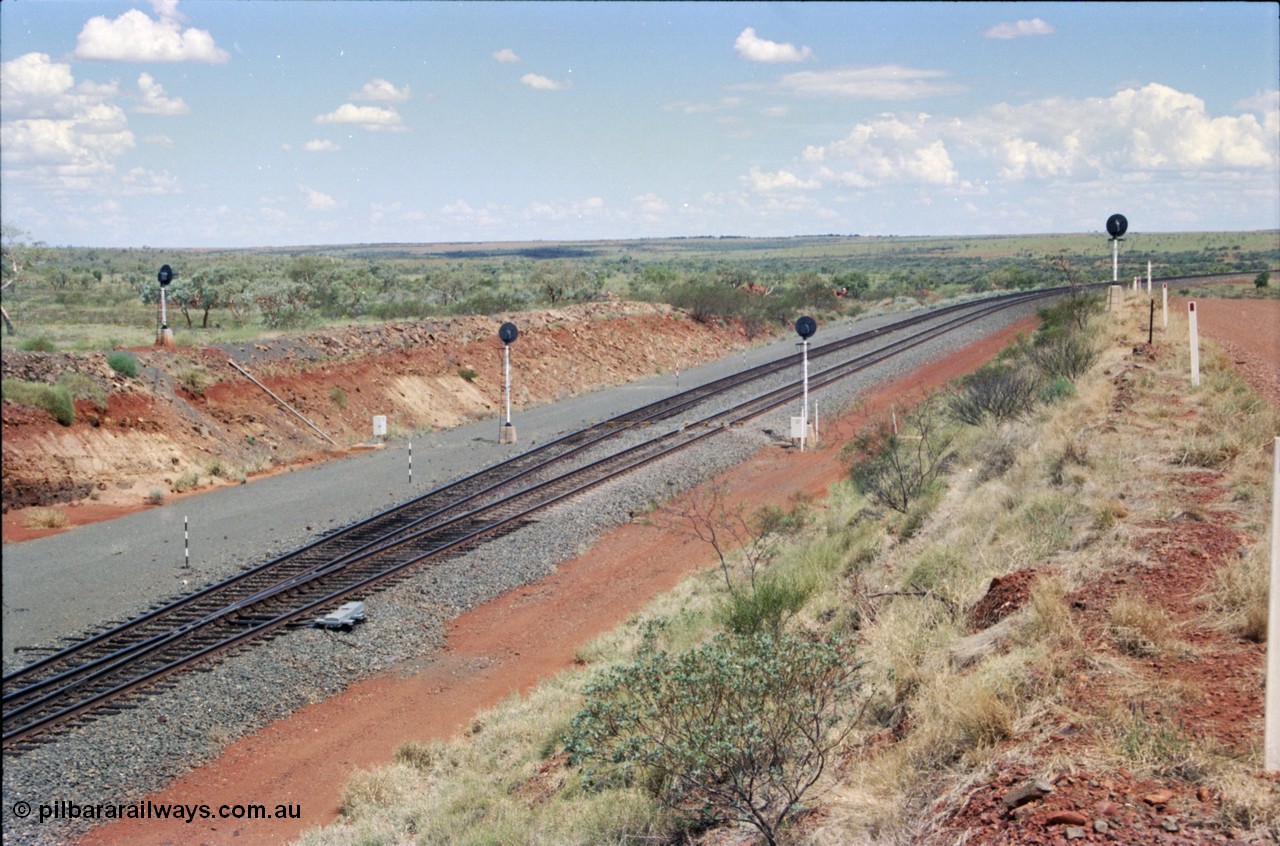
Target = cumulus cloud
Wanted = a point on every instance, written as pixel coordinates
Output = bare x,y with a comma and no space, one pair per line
1153,128
369,118
1019,29
382,90
317,200
154,101
883,82
506,56
55,130
887,149
542,83
753,48
136,37
761,181
321,146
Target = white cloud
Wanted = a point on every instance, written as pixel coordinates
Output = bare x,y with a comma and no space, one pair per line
506,55
318,200
159,140
135,37
1153,128
370,118
382,90
321,146
761,181
542,83
54,131
650,206
753,48
142,181
34,86
1018,29
883,82
888,149
154,101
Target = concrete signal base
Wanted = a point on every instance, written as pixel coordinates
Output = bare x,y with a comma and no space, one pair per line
506,434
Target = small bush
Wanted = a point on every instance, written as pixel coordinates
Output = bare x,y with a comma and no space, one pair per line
894,469
55,399
195,378
1262,280
40,343
338,397
735,730
44,518
124,363
1001,393
766,607
467,374
155,497
84,387
186,482
1066,356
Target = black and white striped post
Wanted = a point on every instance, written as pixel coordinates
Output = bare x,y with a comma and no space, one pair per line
410,463
186,545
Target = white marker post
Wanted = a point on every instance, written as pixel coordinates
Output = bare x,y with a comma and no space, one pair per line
1165,308
804,411
507,333
1271,731
1194,331
186,546
1148,278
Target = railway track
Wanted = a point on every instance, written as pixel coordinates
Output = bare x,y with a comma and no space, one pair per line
104,673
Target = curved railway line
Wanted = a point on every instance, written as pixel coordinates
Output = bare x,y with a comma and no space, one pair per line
105,673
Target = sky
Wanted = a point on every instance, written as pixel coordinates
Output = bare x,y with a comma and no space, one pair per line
267,123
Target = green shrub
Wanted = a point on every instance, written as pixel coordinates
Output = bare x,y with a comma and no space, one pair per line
81,386
1262,280
996,391
1068,355
55,399
467,373
40,343
124,363
338,397
894,469
737,729
766,607
1056,390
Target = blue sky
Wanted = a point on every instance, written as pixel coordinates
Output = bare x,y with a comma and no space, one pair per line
262,123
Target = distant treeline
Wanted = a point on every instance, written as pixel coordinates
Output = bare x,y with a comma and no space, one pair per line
759,280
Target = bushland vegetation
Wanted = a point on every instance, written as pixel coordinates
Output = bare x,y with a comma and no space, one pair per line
93,298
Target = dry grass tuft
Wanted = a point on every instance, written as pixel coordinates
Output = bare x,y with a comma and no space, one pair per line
1139,628
1238,596
41,517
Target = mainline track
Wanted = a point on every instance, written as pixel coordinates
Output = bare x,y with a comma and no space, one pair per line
102,673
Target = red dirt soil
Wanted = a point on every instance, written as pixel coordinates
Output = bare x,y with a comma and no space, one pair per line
307,757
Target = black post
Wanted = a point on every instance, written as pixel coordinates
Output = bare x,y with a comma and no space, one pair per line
1151,321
